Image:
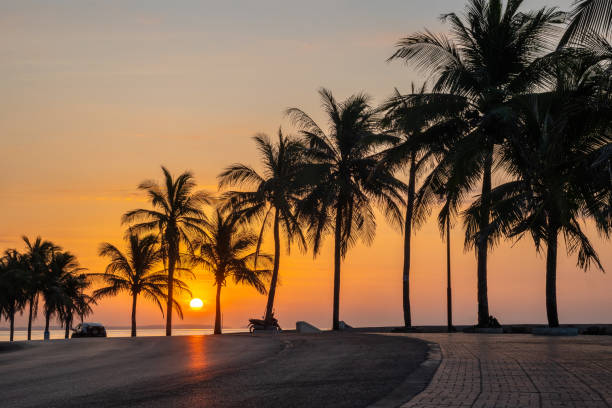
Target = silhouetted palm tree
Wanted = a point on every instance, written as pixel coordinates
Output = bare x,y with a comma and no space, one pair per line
422,137
276,190
449,291
75,300
13,281
62,267
134,273
346,178
177,215
38,255
557,139
588,17
491,54
434,186
228,252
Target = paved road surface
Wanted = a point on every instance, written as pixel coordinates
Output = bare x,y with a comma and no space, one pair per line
519,371
289,370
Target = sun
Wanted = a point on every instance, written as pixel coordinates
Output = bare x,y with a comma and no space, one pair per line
196,304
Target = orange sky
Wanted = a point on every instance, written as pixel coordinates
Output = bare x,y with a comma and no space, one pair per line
96,97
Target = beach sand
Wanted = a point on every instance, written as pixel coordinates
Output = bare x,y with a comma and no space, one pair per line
240,370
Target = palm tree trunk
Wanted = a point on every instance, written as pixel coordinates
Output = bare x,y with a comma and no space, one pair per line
31,311
551,278
273,282
483,240
12,328
407,236
449,294
172,256
47,319
68,324
218,310
134,297
337,260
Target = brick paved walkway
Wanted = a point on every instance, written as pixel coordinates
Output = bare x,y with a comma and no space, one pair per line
522,371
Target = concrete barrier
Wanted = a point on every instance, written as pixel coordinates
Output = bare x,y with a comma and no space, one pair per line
484,330
344,326
489,330
555,331
303,327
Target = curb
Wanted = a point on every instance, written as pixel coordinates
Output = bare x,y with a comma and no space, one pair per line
415,383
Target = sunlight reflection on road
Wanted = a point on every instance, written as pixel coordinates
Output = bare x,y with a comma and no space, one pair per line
196,352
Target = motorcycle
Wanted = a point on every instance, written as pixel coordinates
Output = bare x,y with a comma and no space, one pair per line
262,324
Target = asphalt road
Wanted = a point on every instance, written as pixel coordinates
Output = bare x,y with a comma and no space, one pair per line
287,370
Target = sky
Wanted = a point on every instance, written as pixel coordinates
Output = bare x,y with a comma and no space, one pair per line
96,95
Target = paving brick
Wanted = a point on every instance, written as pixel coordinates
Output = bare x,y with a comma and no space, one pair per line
518,371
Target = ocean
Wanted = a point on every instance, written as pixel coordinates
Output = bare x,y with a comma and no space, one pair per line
59,333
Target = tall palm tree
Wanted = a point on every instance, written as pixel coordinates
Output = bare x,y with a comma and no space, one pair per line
449,291
558,138
38,255
448,211
274,192
491,54
13,280
177,216
135,273
422,137
588,17
75,300
62,267
435,186
431,187
346,178
228,252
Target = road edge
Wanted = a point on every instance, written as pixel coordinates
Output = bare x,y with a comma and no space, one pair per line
416,382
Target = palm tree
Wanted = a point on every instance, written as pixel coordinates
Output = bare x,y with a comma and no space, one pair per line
430,188
38,255
559,136
346,178
433,187
449,292
228,252
588,17
422,135
177,215
277,190
75,301
62,268
492,54
134,273
448,211
13,279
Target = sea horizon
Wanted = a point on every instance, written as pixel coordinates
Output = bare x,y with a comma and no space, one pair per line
57,334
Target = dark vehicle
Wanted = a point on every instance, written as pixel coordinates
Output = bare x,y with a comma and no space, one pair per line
89,330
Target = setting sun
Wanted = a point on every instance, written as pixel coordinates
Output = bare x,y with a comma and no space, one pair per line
196,304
